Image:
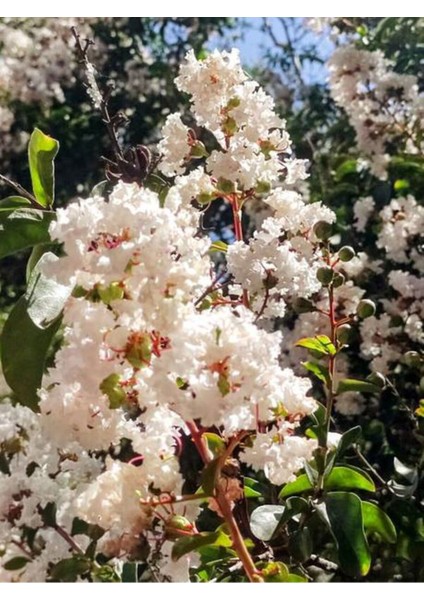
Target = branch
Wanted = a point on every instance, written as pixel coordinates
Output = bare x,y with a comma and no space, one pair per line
22,191
82,52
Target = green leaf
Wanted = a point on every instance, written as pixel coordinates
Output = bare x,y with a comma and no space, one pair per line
401,185
184,545
16,563
24,348
348,167
106,574
325,341
209,475
340,478
80,527
218,246
344,514
318,370
22,228
348,438
350,478
252,488
129,573
377,521
48,514
251,493
319,415
300,544
69,569
320,343
36,253
13,202
157,184
311,473
215,443
45,297
299,486
42,150
355,385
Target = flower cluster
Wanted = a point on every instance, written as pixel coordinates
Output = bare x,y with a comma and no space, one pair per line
383,106
154,349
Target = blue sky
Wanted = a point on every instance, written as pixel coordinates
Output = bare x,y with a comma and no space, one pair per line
254,42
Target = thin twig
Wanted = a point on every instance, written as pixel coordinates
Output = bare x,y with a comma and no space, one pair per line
211,287
104,110
21,190
22,547
72,543
371,468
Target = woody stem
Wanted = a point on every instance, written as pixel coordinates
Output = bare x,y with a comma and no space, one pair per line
225,507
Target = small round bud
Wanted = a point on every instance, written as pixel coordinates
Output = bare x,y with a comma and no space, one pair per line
344,334
412,358
346,253
396,321
302,305
325,275
323,230
225,186
176,526
366,308
338,280
205,198
262,187
377,379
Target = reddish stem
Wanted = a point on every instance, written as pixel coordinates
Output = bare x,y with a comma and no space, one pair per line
225,508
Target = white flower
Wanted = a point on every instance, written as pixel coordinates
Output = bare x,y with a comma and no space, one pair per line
281,458
174,147
362,210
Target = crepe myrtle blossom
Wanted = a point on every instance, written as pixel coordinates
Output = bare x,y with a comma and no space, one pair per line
382,105
155,352
251,137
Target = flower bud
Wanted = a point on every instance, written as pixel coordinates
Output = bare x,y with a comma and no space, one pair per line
412,358
323,230
344,334
262,187
176,526
205,198
346,253
226,186
338,280
325,275
377,379
396,321
366,308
